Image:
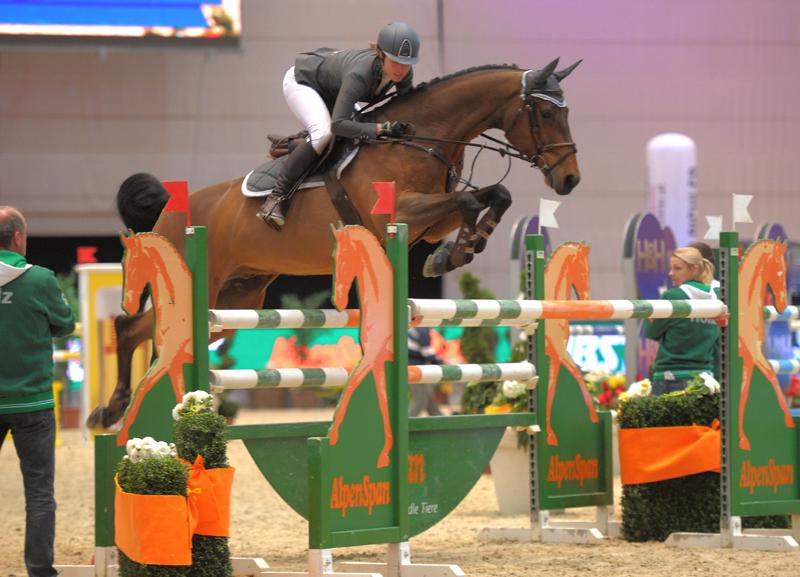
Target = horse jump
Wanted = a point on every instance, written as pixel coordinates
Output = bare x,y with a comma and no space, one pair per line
528,106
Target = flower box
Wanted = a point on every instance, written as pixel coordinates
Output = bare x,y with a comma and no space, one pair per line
511,475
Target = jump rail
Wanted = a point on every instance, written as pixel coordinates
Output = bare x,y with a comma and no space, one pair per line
221,380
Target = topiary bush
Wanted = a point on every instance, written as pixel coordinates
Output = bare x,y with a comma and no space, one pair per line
200,431
652,511
142,473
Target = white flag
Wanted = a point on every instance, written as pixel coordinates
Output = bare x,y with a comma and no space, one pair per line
714,227
547,213
740,204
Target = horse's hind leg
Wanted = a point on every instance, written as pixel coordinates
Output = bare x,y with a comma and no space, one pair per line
131,331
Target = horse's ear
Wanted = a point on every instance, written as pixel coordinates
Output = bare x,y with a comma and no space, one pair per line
542,76
562,74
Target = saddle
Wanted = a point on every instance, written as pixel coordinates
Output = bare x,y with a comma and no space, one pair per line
283,145
260,181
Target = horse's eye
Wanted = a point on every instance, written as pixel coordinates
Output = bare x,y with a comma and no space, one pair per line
548,114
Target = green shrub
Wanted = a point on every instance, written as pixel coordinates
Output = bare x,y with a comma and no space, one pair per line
160,476
199,431
477,346
202,434
652,511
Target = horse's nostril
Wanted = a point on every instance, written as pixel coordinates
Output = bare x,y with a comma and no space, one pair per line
570,182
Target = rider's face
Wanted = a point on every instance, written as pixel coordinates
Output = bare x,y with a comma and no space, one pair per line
394,70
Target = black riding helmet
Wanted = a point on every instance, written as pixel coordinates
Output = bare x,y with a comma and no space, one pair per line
399,42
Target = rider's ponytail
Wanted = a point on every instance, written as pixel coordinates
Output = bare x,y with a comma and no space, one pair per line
692,257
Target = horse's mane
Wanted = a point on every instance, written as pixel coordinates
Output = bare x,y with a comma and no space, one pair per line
425,87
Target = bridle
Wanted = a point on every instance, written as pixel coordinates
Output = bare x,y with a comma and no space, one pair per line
529,97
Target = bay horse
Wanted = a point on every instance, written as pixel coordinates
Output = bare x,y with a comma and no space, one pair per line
566,269
245,255
764,264
359,258
148,258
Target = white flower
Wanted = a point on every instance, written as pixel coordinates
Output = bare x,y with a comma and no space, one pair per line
149,448
597,376
176,411
640,388
710,382
192,403
512,389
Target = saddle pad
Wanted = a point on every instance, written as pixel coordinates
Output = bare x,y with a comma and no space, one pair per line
261,180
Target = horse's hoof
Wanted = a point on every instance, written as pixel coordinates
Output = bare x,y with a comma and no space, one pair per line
552,440
101,418
436,263
788,420
744,444
95,418
383,460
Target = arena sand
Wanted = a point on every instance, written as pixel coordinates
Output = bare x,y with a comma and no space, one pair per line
262,525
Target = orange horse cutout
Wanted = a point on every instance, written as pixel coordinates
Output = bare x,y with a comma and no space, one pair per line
152,260
358,256
763,265
566,269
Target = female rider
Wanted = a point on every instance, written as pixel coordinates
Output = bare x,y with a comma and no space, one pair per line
322,89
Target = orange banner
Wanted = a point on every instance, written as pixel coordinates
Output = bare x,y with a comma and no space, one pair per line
655,454
154,529
213,498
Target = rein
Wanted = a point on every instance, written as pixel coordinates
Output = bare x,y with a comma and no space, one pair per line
506,149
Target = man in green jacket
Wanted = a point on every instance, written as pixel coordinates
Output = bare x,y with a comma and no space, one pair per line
32,311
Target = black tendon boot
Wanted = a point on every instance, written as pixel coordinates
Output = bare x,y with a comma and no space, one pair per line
297,163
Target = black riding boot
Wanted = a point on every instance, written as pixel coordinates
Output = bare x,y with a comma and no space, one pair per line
297,163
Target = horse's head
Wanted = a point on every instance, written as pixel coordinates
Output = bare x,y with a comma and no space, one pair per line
774,272
134,275
536,124
345,266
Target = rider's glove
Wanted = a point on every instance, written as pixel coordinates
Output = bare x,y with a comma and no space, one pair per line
397,128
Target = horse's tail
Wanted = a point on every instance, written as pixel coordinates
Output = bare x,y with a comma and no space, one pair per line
139,201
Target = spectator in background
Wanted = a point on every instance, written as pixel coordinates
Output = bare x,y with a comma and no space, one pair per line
32,311
420,352
707,253
686,346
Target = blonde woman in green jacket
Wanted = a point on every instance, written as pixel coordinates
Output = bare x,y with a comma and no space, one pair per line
686,346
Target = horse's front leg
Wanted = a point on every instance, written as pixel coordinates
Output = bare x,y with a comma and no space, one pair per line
498,199
131,331
438,215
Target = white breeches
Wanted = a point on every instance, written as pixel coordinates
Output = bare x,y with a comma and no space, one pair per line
309,108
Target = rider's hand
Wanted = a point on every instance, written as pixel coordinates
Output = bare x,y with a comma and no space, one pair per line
396,128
